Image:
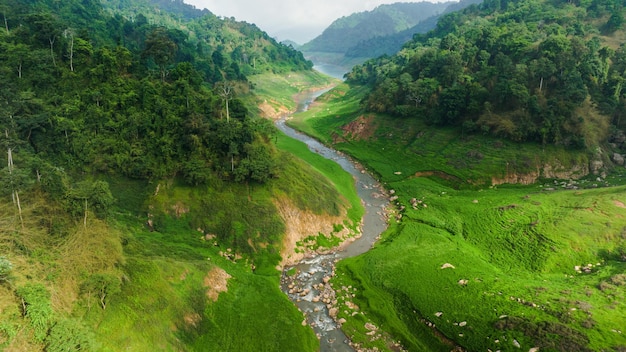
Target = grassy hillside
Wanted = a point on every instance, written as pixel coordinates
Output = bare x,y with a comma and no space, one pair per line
155,273
470,264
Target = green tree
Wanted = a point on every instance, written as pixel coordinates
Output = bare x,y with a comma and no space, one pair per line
95,196
102,286
615,22
161,48
258,165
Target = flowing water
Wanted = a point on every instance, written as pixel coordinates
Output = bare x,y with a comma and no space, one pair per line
308,289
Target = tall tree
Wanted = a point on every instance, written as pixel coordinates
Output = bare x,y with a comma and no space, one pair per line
161,48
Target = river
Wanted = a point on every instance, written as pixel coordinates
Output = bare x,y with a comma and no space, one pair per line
309,288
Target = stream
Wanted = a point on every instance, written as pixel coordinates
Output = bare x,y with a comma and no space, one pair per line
309,288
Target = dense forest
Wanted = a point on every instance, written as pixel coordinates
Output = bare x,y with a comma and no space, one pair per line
88,92
545,71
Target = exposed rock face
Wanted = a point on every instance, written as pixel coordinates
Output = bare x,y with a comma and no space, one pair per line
273,110
555,170
301,224
618,159
596,166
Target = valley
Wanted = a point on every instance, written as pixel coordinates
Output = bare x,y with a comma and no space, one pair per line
180,181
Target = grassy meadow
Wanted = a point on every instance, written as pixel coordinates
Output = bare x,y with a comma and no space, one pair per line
505,267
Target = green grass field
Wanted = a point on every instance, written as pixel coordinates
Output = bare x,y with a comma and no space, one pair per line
514,249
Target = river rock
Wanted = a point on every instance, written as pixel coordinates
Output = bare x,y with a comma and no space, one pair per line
371,327
351,305
332,312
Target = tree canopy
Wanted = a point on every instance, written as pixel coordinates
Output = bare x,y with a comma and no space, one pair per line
531,70
96,89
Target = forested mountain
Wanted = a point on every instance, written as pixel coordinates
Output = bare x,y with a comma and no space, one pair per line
391,43
384,20
544,71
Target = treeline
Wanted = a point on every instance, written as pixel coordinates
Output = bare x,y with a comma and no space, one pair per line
84,91
528,70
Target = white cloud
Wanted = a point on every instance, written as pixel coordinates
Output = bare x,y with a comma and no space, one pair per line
288,19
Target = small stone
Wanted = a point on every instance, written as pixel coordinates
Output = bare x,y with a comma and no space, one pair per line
370,326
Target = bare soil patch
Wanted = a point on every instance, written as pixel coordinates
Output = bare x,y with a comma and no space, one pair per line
273,112
216,282
362,128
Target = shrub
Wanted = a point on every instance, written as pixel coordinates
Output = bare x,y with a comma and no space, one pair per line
5,269
102,285
37,308
7,333
618,279
68,335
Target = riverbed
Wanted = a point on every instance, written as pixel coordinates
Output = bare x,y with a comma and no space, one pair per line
309,288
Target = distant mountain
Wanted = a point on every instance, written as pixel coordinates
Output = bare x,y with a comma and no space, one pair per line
291,43
353,39
384,20
390,44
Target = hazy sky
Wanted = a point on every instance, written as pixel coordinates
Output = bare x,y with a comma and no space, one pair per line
289,19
